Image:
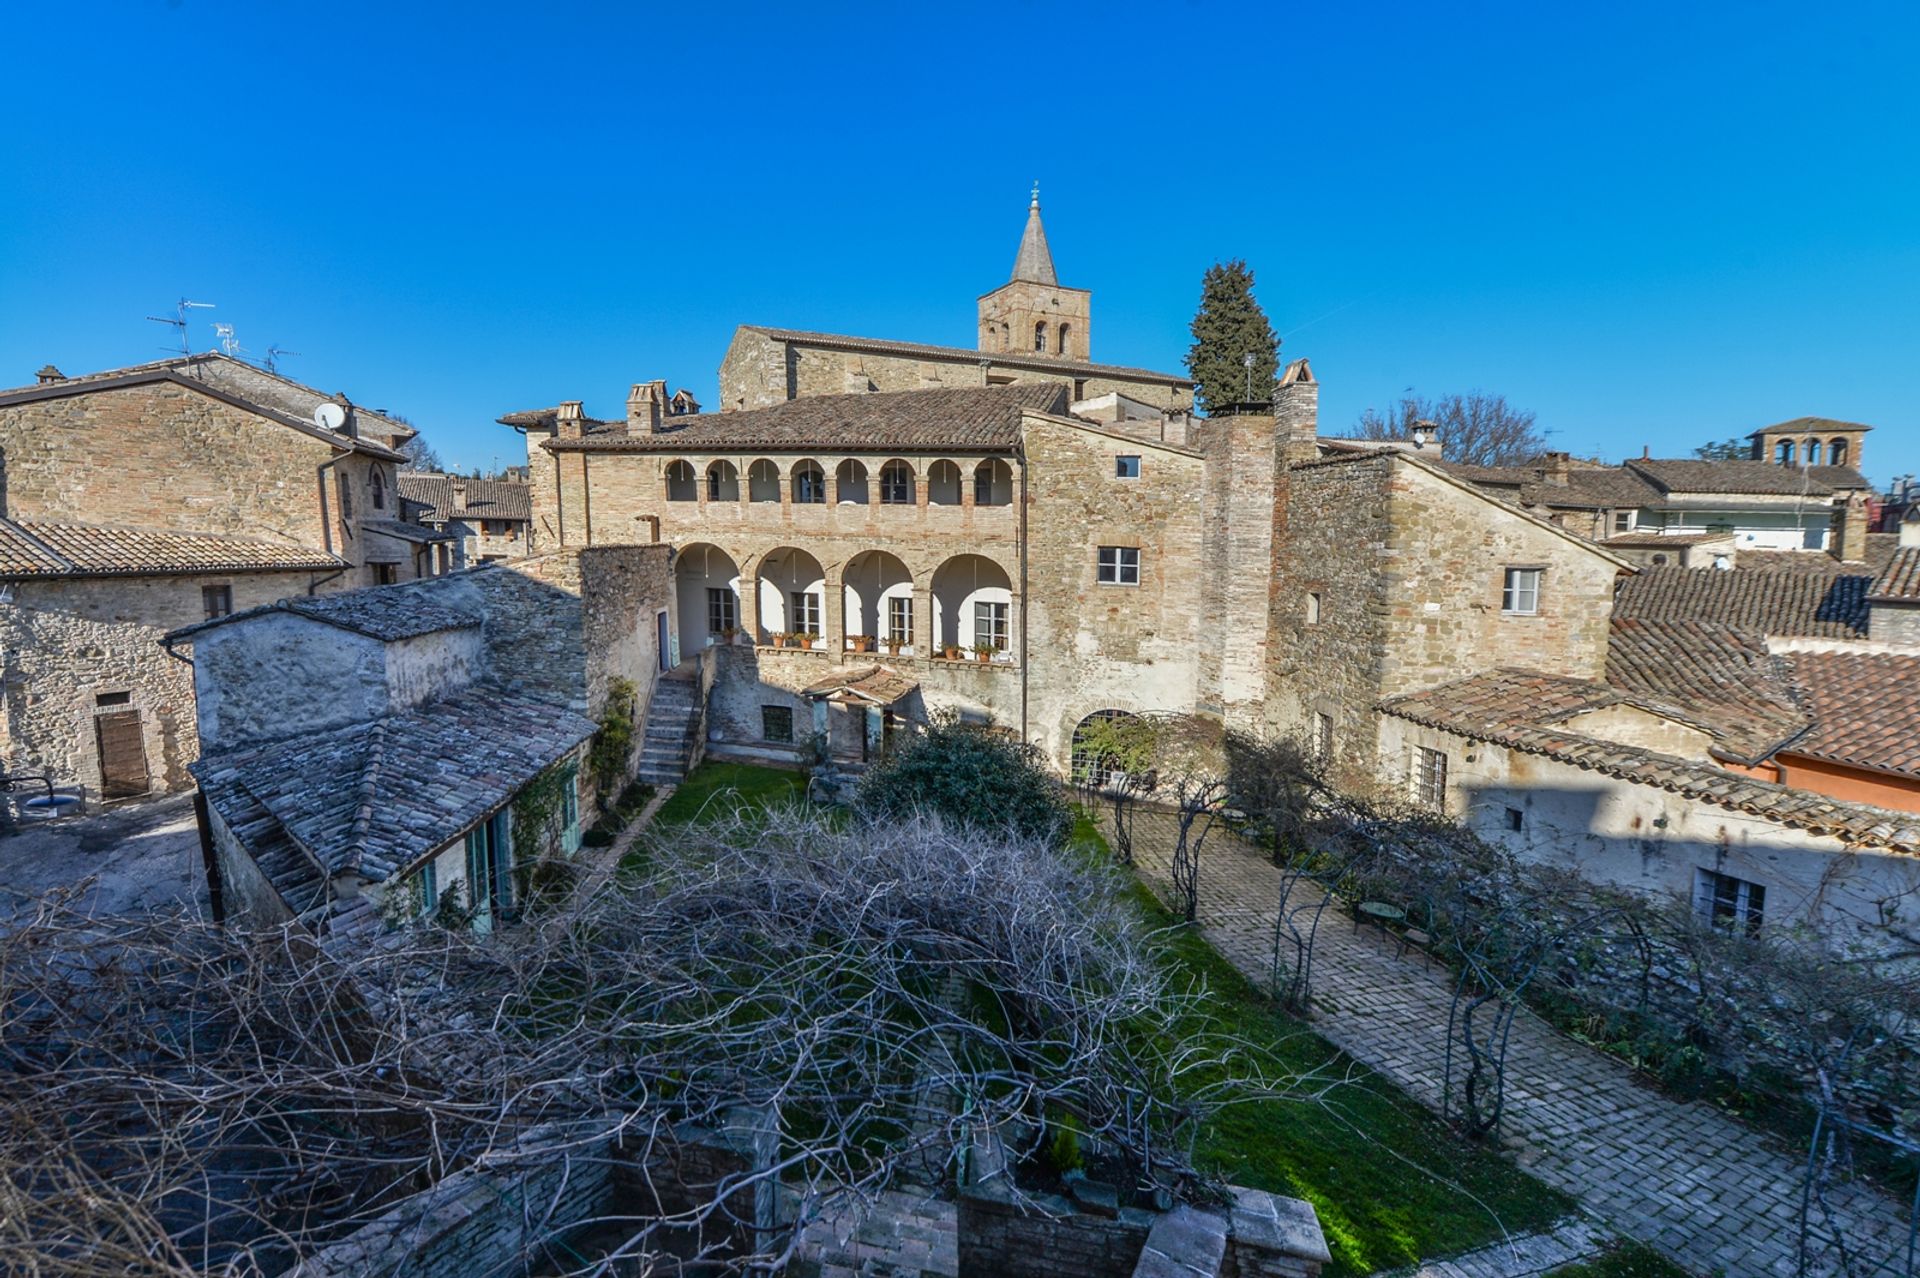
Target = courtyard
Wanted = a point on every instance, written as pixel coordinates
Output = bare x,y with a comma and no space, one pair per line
123,860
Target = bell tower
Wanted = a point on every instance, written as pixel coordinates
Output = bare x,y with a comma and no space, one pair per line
1031,314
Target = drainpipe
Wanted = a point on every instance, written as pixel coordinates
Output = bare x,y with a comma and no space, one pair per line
326,521
1026,650
313,586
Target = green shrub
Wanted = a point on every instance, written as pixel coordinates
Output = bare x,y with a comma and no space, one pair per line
968,775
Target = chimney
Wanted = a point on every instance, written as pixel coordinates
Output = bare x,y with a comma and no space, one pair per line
48,375
646,407
568,423
1296,411
1848,539
459,487
1556,468
684,404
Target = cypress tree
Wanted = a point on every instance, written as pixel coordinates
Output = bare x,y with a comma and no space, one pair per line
1227,328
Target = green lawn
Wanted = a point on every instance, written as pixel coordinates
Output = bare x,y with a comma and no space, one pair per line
726,783
1391,1183
1630,1261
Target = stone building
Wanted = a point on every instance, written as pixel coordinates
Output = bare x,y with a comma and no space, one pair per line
376,753
491,519
141,499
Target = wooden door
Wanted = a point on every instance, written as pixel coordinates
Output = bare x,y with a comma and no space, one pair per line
123,754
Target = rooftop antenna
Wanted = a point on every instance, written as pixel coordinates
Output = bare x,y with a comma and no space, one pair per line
229,340
275,354
180,321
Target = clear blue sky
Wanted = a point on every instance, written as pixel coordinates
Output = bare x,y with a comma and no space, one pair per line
1652,224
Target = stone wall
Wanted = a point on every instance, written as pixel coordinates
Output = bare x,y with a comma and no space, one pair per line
246,897
67,643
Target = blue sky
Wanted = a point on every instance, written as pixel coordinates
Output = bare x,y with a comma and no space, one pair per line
1654,225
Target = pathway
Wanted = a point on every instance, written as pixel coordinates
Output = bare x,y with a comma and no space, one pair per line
1680,1176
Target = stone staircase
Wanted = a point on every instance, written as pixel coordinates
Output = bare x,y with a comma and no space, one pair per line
672,729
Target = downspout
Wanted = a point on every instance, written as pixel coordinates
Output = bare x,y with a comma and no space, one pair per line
1026,649
326,520
313,586
586,495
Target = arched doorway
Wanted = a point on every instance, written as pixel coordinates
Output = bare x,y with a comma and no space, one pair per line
1088,766
972,605
879,598
707,589
793,592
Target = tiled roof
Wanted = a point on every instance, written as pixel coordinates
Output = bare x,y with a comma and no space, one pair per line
1807,426
1655,541
1866,709
1587,487
32,548
1719,678
548,418
1518,709
879,685
1900,579
486,498
1756,478
232,381
1821,601
1009,359
376,797
974,418
418,533
386,613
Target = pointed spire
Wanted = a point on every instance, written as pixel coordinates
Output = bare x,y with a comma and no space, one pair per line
1035,263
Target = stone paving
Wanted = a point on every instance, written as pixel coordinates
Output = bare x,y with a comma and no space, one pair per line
124,860
1680,1176
1525,1257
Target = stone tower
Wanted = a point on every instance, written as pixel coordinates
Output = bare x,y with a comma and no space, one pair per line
1031,314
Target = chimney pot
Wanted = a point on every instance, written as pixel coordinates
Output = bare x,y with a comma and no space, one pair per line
646,407
568,422
48,374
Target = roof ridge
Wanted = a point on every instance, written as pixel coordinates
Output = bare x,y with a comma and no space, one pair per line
369,783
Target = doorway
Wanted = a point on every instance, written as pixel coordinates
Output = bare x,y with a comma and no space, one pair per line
490,870
122,747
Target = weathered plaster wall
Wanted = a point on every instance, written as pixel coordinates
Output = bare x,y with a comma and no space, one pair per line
1630,725
281,674
246,896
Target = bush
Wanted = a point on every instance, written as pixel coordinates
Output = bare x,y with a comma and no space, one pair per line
970,776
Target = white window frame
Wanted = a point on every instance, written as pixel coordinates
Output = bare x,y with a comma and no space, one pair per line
1121,470
900,619
723,606
806,610
1520,592
990,624
1118,566
1724,902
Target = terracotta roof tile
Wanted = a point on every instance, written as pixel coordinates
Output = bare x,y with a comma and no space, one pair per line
1816,600
1717,677
34,548
1745,477
1866,709
974,418
1900,579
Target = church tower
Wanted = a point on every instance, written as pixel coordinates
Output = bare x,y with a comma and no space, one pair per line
1031,314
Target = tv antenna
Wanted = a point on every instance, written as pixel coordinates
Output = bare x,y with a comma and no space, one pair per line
277,353
179,322
229,340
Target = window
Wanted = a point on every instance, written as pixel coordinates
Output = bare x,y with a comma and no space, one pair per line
1520,593
1064,330
1728,903
346,496
1322,736
1119,565
379,490
113,699
1837,453
1783,452
429,886
680,482
809,484
1040,337
1313,608
1430,778
570,811
1516,819
776,723
1623,520
804,612
723,482
217,600
943,484
385,574
896,484
992,483
1126,467
900,619
722,610
990,625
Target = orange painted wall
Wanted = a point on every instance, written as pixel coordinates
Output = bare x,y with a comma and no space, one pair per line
1856,785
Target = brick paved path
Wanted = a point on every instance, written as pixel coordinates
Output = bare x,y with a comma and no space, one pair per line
1679,1176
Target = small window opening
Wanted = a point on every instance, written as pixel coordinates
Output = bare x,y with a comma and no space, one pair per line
1127,467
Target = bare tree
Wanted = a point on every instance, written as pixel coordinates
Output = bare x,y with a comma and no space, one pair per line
183,1098
421,455
1190,766
1477,428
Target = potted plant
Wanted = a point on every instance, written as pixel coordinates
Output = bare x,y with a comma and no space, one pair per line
860,643
777,638
805,638
950,651
984,651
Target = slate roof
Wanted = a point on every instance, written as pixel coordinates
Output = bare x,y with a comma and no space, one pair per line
1823,601
405,531
234,382
1658,541
35,548
1717,677
1520,709
974,419
1900,579
486,498
1866,709
1008,359
386,613
376,797
1736,478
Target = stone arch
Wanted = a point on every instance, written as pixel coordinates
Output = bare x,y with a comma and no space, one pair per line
993,483
1084,767
680,482
699,569
1813,452
850,483
809,483
1837,453
943,484
791,592
1783,452
871,582
1065,330
972,603
723,481
763,481
1040,336
896,483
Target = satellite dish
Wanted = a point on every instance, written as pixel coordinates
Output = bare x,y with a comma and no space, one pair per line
330,416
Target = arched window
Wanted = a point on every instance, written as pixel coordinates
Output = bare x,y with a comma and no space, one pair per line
1064,330
1040,337
992,483
723,482
1783,452
850,483
1659,561
1813,452
1837,452
763,481
379,490
896,484
809,484
943,484
680,485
